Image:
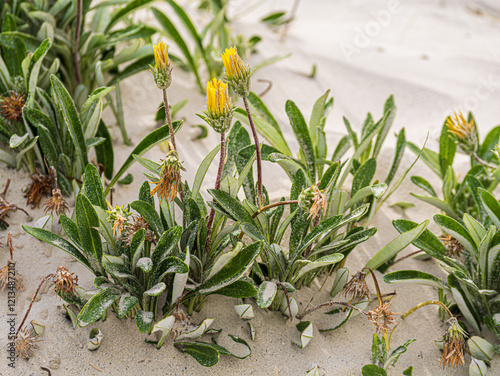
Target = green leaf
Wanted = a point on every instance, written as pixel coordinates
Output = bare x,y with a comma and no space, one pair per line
144,320
96,306
447,149
330,176
232,270
311,265
93,187
440,204
317,114
264,113
398,155
491,206
238,289
120,14
68,109
104,151
266,293
156,290
431,158
424,184
34,69
301,133
364,175
152,139
126,303
455,229
466,306
414,276
386,122
203,353
396,245
373,370
202,171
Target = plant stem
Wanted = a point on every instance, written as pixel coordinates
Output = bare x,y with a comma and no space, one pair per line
407,256
76,64
11,248
379,295
285,291
32,300
429,302
217,186
328,304
257,148
480,161
270,206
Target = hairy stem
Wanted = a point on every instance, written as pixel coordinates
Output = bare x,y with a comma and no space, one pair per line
379,295
32,300
429,302
257,147
217,186
76,64
329,304
482,162
285,291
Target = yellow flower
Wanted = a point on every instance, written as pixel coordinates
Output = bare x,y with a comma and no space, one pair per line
161,71
463,131
237,73
119,217
219,111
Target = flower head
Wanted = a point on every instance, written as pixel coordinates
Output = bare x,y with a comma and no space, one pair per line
382,317
56,203
129,231
119,217
65,282
454,341
313,200
162,73
464,131
237,73
12,107
25,343
220,110
453,247
356,289
166,188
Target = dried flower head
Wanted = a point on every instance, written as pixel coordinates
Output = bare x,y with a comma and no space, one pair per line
170,180
382,317
237,73
12,107
463,130
139,223
119,217
313,200
64,281
162,73
26,342
454,341
219,112
56,203
453,247
356,289
40,185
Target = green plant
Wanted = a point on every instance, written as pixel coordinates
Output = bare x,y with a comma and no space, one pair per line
460,197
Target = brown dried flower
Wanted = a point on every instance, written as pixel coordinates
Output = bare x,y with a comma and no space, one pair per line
454,341
356,289
40,185
25,342
453,247
64,281
166,188
313,200
139,223
56,203
12,107
6,207
382,317
9,270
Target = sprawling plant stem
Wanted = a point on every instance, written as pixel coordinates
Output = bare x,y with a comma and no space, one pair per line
482,162
76,63
270,206
217,186
379,294
328,304
257,148
429,302
32,300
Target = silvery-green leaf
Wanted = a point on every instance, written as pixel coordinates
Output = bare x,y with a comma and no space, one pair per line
415,276
197,332
37,327
480,348
71,315
95,308
125,304
252,331
347,315
266,293
156,289
44,222
477,368
313,372
16,141
294,307
306,333
245,311
109,259
145,264
144,320
322,261
341,278
165,326
180,280
224,259
95,339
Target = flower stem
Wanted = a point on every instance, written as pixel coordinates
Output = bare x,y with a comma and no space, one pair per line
32,300
482,162
429,302
217,186
379,295
257,147
328,304
270,206
76,64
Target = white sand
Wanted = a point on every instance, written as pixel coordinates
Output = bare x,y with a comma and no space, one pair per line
433,56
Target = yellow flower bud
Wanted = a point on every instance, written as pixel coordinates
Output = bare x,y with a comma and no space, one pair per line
161,71
219,111
237,73
464,131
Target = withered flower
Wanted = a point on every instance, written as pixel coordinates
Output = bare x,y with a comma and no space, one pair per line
10,267
6,207
119,217
166,188
26,342
129,231
382,317
40,185
56,203
454,341
453,247
12,107
313,200
356,289
64,281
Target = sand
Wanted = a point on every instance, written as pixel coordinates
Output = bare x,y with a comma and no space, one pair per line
433,56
